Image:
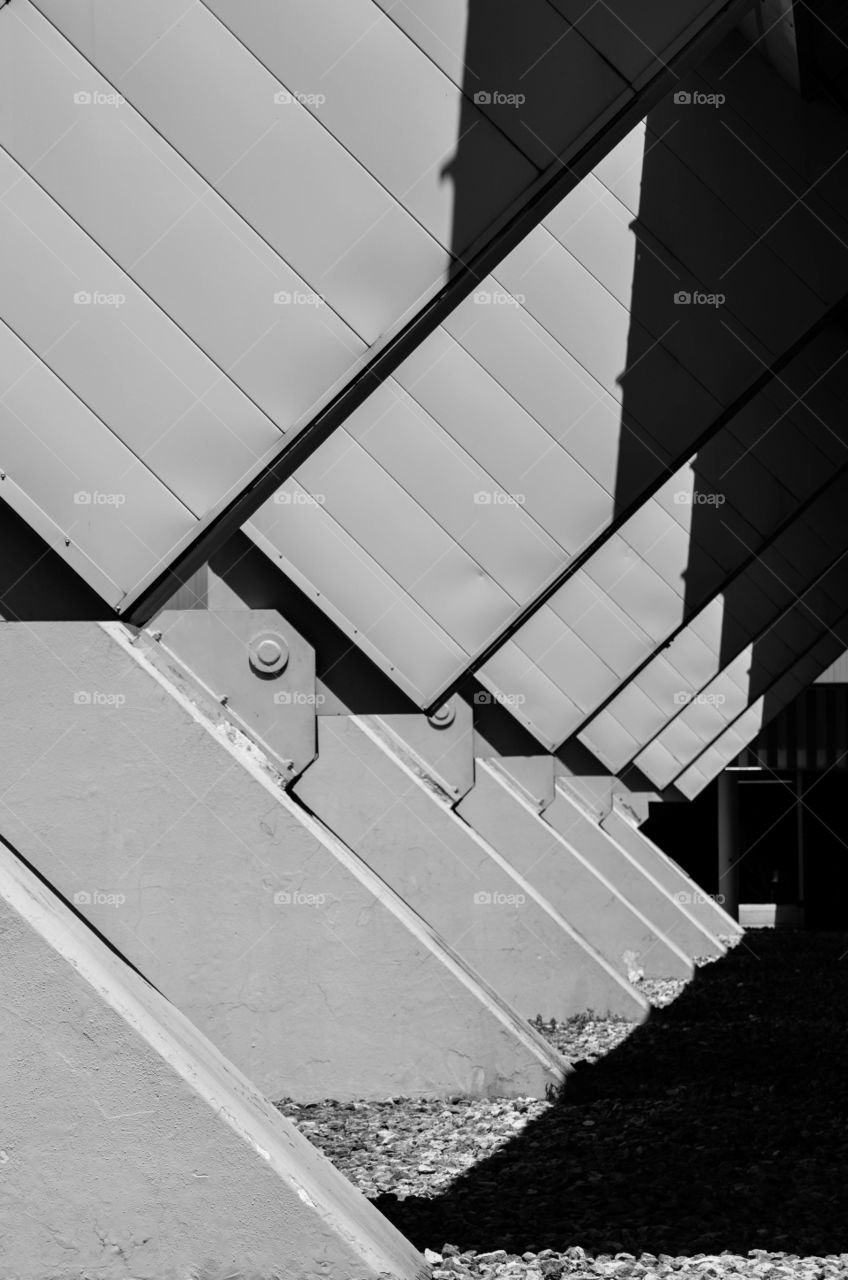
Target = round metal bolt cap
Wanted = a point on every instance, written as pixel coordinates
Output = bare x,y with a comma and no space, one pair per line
443,716
269,654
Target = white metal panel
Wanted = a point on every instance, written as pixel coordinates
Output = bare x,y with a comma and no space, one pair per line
268,156
179,241
220,283
395,532
529,51
355,593
82,478
607,340
643,594
565,659
593,326
545,378
610,734
534,699
375,81
597,620
607,739
130,364
508,443
489,524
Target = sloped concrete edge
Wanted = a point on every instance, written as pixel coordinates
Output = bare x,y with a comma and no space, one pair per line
187,1169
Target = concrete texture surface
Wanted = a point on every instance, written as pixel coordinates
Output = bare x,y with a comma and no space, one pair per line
132,1150
177,843
637,884
398,822
685,891
568,880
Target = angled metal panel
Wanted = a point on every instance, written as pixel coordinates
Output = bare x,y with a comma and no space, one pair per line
426,564
355,593
266,154
359,61
565,83
461,496
121,355
76,483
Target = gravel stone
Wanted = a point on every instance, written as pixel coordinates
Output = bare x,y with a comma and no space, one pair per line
709,1142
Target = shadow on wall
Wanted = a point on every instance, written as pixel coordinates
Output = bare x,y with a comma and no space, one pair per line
529,73
720,1124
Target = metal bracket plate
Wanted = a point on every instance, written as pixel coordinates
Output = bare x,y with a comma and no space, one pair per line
255,664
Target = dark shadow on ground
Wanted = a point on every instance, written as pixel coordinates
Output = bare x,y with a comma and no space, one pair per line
720,1124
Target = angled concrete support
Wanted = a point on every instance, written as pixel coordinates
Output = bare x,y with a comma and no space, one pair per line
620,824
568,880
398,820
632,880
132,1148
173,836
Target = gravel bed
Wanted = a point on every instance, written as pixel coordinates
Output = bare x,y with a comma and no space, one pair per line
711,1141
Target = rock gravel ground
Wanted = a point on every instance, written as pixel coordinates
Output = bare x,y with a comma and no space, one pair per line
710,1142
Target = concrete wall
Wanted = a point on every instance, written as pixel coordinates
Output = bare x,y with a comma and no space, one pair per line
625,936
393,818
176,841
637,884
132,1150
